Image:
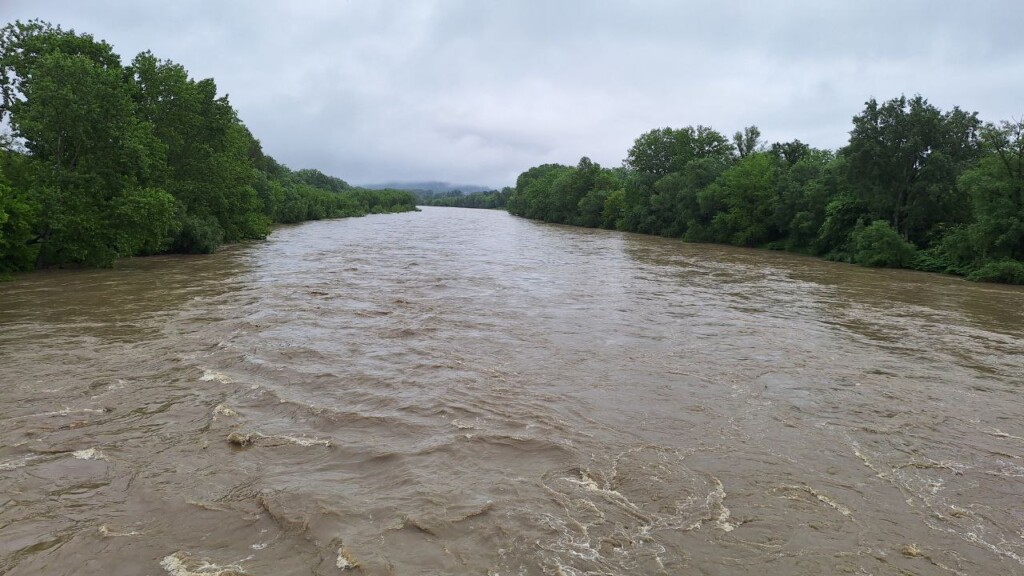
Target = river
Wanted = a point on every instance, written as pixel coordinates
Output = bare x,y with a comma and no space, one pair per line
465,392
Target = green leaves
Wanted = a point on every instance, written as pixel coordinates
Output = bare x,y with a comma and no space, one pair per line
748,194
904,157
16,217
144,221
879,245
109,161
665,150
566,195
910,171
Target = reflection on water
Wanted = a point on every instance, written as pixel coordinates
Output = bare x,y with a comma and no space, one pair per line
464,392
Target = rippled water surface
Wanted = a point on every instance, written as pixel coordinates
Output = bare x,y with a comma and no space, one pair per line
464,392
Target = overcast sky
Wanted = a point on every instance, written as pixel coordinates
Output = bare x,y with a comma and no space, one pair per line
476,91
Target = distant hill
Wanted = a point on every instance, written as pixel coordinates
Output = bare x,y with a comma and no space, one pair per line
429,187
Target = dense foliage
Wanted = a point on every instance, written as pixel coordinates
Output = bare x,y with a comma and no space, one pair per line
102,160
915,187
492,199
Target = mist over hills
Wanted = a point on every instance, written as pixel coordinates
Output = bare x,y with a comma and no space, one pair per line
429,187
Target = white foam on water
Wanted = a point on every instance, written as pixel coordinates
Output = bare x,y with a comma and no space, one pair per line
17,463
972,537
867,462
206,505
837,506
345,560
65,411
259,546
177,564
823,499
717,498
108,533
587,482
222,410
827,501
1000,434
260,439
88,454
1006,469
214,376
305,441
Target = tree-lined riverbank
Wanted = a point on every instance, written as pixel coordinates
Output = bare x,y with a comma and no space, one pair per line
915,187
104,159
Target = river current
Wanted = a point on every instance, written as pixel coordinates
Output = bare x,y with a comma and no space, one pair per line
465,392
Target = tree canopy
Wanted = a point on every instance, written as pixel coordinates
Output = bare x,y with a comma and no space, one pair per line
103,160
915,187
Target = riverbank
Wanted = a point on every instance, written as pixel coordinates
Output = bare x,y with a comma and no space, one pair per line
1007,273
161,163
7,277
948,199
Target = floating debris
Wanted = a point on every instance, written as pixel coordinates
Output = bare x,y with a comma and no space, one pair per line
106,532
18,463
911,551
303,441
345,560
179,564
241,440
88,454
214,376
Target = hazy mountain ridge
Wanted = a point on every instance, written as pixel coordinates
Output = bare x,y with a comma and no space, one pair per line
429,187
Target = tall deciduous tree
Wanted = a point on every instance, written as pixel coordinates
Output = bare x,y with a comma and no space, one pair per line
904,157
210,169
69,106
996,189
748,141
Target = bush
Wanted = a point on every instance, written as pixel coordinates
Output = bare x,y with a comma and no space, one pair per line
198,235
879,245
1005,271
932,260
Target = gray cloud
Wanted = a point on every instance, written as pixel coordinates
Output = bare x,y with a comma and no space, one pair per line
475,92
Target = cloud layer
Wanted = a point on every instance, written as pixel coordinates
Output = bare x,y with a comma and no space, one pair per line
476,92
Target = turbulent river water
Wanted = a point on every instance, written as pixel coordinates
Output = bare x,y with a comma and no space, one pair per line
465,392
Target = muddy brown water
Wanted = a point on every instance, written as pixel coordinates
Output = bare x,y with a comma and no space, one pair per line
465,392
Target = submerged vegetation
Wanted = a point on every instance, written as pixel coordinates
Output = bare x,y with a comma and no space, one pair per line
915,187
102,160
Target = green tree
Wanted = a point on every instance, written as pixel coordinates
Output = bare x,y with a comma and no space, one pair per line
994,239
665,150
747,142
996,189
144,221
17,216
532,197
804,188
879,245
748,198
69,106
614,208
211,157
903,160
657,154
